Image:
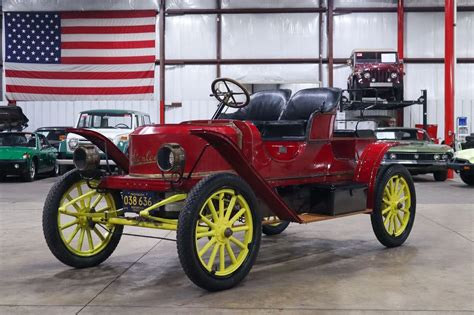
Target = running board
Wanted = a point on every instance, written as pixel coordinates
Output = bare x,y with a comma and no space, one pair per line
314,217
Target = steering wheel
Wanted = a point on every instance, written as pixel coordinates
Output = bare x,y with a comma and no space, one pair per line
121,125
230,88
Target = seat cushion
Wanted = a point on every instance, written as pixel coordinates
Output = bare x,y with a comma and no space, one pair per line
263,106
283,129
307,101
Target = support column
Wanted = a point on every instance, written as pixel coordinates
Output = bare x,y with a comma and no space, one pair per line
449,61
162,60
400,47
218,39
330,31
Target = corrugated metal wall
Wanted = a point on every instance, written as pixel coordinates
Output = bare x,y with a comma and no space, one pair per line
292,36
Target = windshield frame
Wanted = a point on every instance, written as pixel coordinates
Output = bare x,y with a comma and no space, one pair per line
85,122
377,59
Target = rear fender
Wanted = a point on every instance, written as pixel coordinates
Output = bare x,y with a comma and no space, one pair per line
105,145
369,165
234,156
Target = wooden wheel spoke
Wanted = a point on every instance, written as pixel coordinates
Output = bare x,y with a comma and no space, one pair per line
81,239
69,224
74,205
237,242
103,209
97,232
79,191
71,237
221,257
212,209
207,221
231,252
384,211
240,228
89,237
385,201
230,207
387,192
206,247
212,257
96,201
205,234
237,215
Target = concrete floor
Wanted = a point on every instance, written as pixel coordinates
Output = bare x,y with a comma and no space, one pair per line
331,267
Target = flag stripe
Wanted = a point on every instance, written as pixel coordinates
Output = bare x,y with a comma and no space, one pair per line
108,45
107,37
81,68
107,60
70,97
65,75
79,83
107,14
108,22
108,30
79,90
109,53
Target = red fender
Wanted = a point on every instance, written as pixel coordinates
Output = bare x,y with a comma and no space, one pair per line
233,155
369,165
105,145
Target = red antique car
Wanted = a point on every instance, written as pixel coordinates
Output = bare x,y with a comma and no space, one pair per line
220,182
375,73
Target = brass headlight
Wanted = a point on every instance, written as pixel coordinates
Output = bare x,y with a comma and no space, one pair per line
170,157
86,158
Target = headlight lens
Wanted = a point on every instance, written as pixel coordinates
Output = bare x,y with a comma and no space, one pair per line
367,75
394,75
445,156
26,155
436,157
393,156
170,158
73,143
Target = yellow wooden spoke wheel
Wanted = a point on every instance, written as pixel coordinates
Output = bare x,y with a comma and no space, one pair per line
71,222
394,206
218,232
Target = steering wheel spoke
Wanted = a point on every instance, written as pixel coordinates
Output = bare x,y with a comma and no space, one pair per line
227,97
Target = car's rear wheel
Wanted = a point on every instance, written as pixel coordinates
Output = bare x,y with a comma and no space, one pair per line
394,206
467,177
72,236
219,232
274,228
440,176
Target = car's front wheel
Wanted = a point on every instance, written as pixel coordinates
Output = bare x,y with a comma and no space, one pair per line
440,176
30,173
394,206
219,232
467,177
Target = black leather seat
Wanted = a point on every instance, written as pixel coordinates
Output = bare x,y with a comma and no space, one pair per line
263,106
293,120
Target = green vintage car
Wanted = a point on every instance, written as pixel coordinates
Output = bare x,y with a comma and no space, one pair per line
417,152
463,164
26,154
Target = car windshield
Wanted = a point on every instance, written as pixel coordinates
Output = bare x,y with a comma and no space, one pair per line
17,140
105,120
53,135
376,57
398,135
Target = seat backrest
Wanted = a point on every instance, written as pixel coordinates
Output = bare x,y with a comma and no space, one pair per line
263,106
305,102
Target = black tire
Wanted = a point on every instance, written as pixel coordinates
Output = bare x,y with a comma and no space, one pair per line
31,173
56,170
186,240
440,176
63,169
51,228
275,229
467,177
387,174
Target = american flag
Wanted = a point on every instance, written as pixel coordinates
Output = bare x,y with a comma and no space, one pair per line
92,55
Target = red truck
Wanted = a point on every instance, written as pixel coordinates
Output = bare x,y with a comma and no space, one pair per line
220,182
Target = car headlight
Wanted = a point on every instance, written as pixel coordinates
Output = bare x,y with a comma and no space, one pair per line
445,156
73,143
436,157
393,156
170,157
367,75
394,75
26,155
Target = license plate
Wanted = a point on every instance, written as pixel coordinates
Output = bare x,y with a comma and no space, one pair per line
381,84
136,201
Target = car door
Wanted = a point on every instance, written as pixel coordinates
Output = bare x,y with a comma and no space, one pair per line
46,156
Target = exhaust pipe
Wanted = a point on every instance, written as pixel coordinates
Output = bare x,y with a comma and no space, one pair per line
86,158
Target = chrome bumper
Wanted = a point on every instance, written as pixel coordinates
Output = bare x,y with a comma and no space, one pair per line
70,162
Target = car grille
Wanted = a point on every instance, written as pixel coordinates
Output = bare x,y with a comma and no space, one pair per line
379,75
411,156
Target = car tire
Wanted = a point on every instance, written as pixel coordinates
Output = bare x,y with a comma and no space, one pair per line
467,177
275,229
31,172
56,170
440,176
220,234
66,247
389,201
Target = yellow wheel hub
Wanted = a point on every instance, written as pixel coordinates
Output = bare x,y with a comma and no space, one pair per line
223,232
396,204
79,233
